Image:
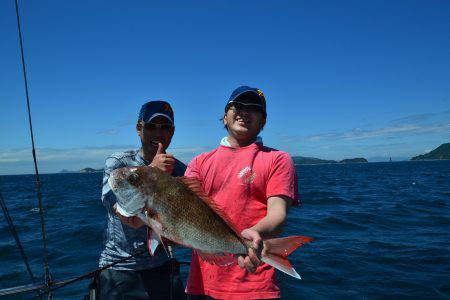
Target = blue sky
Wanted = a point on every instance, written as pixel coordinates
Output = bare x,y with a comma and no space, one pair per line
342,78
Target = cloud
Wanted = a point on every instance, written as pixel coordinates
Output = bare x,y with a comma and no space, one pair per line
20,161
114,131
409,125
322,136
420,118
402,138
395,131
414,118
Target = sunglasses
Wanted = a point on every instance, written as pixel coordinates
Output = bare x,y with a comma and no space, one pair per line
248,108
156,126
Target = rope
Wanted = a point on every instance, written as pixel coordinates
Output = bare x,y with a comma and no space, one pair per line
38,181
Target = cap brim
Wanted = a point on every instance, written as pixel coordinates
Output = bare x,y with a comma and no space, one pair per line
157,115
246,104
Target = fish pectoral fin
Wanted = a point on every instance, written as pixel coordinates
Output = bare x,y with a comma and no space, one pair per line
143,218
218,259
153,241
154,234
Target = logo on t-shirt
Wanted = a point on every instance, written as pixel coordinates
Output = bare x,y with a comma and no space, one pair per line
246,175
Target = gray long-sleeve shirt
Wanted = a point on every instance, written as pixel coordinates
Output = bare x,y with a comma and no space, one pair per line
121,240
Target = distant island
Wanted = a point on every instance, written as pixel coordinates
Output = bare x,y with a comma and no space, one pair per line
85,170
441,152
354,160
301,160
90,170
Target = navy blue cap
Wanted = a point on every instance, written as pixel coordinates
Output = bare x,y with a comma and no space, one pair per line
246,95
153,109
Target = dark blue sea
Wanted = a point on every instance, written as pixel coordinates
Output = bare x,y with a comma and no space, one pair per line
382,230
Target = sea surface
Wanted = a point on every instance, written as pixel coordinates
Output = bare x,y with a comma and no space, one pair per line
382,230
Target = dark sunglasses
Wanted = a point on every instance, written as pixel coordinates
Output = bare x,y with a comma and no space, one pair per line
248,108
156,126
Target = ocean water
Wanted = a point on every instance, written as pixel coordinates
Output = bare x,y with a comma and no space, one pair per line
382,230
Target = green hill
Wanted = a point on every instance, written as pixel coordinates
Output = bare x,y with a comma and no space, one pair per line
441,152
90,170
301,160
354,160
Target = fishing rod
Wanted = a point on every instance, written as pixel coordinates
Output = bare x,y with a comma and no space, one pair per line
38,181
55,285
95,272
50,286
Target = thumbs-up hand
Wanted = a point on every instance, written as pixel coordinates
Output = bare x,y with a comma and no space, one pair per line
163,161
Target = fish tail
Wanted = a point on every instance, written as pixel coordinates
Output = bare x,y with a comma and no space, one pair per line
276,251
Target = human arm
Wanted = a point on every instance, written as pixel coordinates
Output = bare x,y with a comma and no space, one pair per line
268,227
108,197
272,224
282,192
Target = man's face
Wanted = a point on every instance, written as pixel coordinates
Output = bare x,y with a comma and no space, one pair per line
158,130
244,122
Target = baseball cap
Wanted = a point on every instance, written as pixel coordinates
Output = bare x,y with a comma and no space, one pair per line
153,109
246,95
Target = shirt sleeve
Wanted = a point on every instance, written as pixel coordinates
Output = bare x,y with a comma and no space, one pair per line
108,197
283,178
192,170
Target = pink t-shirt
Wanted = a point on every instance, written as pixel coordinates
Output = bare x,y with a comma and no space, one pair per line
240,181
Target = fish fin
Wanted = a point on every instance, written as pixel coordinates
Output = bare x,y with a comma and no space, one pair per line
161,241
156,232
285,245
281,264
195,186
219,259
276,250
143,217
153,241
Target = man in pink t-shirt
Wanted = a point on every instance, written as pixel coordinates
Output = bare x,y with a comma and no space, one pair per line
254,185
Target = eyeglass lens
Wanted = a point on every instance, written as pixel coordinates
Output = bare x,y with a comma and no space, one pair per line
155,126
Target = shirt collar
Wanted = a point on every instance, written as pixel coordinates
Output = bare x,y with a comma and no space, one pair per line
224,141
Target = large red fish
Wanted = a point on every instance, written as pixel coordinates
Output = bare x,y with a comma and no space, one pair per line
178,209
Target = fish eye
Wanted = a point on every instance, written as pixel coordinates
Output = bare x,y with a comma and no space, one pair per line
133,178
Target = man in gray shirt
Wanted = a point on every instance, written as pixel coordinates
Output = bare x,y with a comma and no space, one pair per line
143,276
